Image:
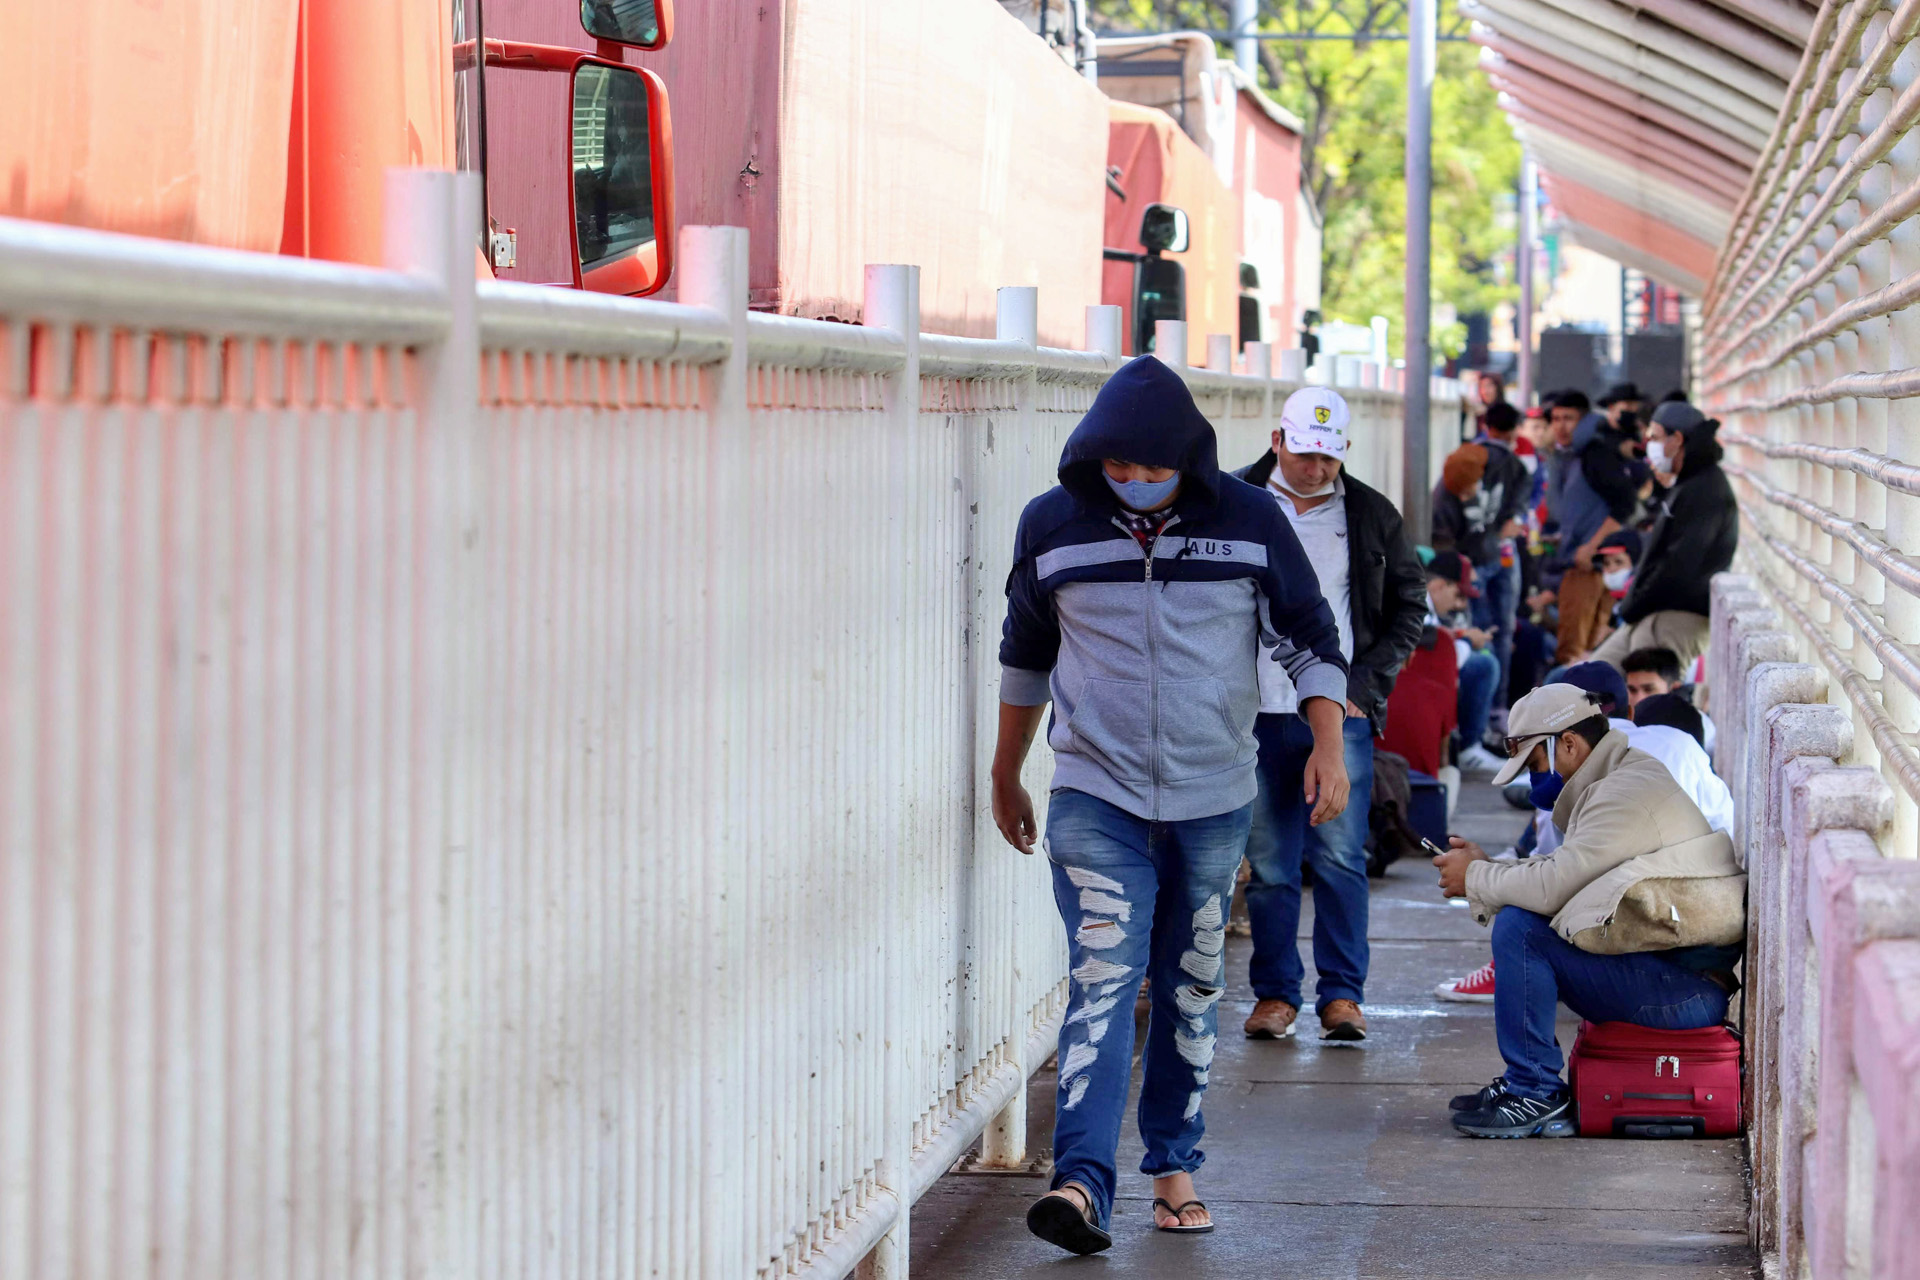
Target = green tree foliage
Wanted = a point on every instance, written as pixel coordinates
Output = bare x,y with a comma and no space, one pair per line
1351,96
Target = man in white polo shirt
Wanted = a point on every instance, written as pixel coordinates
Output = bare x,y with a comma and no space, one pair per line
1373,582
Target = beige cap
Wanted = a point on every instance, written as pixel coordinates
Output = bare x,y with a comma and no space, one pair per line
1546,711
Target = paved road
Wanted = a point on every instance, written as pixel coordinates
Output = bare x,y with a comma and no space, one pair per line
1339,1162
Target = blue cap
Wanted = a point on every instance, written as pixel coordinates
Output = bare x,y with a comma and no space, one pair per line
1602,678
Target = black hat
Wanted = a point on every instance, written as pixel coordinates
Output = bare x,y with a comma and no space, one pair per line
1673,711
1678,415
1602,679
1698,432
1620,391
1454,567
1626,539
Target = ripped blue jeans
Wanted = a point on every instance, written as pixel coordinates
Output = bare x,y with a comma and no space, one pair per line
1139,899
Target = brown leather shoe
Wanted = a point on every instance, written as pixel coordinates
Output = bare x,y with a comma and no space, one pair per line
1271,1020
1342,1020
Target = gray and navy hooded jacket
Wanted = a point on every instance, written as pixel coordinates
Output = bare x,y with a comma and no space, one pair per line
1150,663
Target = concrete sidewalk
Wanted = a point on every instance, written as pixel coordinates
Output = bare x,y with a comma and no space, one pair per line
1339,1162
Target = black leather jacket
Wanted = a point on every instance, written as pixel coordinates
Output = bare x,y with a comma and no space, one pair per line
1387,591
1694,537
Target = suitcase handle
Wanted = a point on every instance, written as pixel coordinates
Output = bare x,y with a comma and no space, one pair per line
1659,1127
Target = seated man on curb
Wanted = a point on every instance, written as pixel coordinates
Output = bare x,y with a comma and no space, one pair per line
1680,751
1450,586
1637,917
1653,671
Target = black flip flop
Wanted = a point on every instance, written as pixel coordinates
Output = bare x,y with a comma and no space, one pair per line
1178,1228
1058,1220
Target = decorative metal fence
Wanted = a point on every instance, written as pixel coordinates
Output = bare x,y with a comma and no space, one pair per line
488,773
1811,357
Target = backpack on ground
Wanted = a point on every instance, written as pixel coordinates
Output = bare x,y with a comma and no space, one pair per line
1390,832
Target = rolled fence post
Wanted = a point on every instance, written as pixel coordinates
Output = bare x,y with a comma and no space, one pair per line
1258,360
892,303
1103,330
1220,353
1293,365
427,222
713,274
1004,1144
1170,342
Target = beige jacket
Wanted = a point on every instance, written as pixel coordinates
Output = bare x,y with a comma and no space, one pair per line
1639,870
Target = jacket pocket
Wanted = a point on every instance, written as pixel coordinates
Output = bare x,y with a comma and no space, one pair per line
1112,725
1196,736
1374,590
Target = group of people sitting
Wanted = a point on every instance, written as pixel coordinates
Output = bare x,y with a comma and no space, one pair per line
1568,562
1230,660
1574,548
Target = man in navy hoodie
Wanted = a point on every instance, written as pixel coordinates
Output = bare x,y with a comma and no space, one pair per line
1142,590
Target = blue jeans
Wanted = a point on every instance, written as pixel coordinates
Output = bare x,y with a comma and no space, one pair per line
1280,838
1478,675
1538,968
1139,899
1493,612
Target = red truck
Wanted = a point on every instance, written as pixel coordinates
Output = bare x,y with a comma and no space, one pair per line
840,132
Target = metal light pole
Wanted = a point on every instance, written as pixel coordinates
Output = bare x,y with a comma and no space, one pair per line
1243,17
1523,331
1419,352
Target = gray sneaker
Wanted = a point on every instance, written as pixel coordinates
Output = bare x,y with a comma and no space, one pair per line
1511,1116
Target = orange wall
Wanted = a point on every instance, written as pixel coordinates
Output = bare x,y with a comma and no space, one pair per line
374,91
1160,163
162,118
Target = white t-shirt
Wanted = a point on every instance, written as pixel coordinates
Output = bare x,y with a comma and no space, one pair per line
1322,531
1680,752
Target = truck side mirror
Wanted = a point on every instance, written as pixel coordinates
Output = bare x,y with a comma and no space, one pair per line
1163,229
622,190
642,24
1159,293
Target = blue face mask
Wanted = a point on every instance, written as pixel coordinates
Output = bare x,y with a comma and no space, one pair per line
1142,495
1544,788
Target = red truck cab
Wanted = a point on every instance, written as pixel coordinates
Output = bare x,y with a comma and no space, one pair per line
575,146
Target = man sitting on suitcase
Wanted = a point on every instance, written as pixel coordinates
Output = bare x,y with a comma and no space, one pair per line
1637,916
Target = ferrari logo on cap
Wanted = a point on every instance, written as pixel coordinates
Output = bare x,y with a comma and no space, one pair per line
1321,413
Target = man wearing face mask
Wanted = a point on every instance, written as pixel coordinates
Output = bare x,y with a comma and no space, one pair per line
1619,552
1695,533
1598,923
1143,589
1373,582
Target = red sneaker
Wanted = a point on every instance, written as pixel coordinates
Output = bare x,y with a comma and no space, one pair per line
1475,988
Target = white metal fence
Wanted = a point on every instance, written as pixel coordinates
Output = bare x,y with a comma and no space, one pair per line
1812,359
488,773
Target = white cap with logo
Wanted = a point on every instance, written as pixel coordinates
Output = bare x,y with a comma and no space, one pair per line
1314,420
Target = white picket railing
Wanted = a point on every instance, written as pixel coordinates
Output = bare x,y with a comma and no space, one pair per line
1812,359
488,773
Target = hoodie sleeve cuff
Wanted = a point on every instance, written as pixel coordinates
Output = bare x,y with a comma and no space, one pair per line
1322,680
1021,688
